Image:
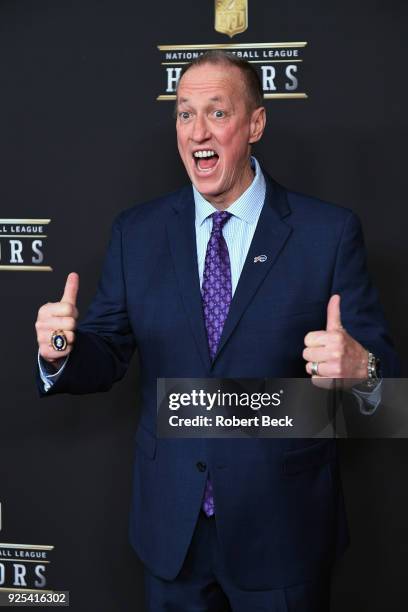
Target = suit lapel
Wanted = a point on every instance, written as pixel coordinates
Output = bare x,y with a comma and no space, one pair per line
270,236
183,248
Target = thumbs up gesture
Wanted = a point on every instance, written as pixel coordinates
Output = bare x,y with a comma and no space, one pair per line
58,319
333,353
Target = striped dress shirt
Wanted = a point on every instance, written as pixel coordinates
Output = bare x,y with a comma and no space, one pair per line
238,231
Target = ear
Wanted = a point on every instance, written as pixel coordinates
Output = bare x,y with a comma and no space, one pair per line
257,125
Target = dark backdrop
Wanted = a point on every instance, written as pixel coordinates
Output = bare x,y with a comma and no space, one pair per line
83,137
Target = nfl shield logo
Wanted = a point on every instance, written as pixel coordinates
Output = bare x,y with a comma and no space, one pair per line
231,16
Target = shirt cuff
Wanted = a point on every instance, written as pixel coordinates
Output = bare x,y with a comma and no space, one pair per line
368,401
47,378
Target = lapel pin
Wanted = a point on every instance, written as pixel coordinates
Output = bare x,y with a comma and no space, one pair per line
260,258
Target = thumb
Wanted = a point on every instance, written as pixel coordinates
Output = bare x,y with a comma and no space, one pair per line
71,289
333,314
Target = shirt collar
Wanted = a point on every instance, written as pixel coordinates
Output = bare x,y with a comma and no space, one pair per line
247,207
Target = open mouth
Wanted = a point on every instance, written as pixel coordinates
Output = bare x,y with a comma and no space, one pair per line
205,159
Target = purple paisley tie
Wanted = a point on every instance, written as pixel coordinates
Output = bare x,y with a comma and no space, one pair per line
216,294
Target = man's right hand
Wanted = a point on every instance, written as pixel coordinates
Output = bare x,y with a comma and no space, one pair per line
54,316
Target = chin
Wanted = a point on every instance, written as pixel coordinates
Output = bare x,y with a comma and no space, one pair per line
207,191
209,185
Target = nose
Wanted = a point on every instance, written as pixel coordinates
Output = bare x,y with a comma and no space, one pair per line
200,131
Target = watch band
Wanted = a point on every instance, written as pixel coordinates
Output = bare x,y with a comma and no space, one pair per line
373,367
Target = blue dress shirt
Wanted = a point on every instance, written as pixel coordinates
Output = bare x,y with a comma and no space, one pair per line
239,230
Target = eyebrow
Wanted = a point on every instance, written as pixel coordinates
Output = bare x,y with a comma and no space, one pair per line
212,99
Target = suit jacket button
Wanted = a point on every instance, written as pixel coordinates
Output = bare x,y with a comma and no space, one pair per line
201,466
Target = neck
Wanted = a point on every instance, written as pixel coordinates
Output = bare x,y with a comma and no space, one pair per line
224,200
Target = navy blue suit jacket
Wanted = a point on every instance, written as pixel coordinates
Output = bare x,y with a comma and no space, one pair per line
279,509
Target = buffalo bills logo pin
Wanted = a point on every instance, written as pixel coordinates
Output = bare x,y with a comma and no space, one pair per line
260,258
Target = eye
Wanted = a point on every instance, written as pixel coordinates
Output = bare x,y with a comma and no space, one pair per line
219,114
184,115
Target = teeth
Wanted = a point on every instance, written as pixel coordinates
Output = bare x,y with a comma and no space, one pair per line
204,153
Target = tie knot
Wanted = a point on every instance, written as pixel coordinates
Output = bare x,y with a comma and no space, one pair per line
219,219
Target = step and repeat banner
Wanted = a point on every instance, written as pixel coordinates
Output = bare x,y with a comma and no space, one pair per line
87,129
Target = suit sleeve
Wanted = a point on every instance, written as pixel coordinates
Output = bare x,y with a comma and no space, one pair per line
361,312
104,341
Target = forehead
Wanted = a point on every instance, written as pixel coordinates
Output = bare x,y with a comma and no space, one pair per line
211,82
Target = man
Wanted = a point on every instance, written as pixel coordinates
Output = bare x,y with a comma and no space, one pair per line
231,524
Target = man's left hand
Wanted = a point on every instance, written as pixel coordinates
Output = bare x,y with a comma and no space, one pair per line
337,354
